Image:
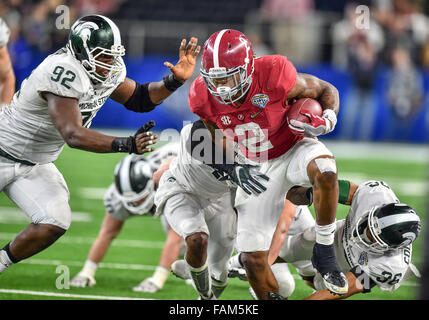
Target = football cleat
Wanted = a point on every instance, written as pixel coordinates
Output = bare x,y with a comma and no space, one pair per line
147,285
83,280
324,261
180,269
239,273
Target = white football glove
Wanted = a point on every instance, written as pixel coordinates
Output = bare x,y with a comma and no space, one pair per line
147,285
83,280
317,126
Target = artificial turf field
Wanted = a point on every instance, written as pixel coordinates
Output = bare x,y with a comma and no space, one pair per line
135,253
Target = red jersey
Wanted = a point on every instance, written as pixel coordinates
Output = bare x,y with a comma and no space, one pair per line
259,125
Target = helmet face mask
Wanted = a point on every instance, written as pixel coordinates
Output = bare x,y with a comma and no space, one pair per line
227,58
92,39
236,78
390,227
134,184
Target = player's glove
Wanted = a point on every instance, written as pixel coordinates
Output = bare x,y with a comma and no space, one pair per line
83,279
129,144
248,178
317,126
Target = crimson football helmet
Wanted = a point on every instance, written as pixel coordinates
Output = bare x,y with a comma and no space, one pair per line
227,65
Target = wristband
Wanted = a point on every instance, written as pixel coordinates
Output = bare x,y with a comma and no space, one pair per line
171,83
124,145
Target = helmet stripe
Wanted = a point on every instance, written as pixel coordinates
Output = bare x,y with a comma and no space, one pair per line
115,30
397,218
124,174
216,48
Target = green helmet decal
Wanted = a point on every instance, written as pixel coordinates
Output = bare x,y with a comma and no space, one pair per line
92,37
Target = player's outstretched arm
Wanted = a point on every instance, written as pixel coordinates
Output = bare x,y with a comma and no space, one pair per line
304,196
281,231
144,97
308,86
162,168
7,77
354,287
67,118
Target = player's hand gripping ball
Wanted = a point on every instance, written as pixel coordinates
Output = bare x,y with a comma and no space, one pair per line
307,118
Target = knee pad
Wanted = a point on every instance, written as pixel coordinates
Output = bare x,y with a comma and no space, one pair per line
284,279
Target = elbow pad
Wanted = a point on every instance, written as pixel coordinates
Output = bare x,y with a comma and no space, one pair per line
140,99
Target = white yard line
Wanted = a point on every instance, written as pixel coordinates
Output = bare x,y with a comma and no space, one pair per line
14,215
400,186
66,295
418,153
126,266
82,240
121,266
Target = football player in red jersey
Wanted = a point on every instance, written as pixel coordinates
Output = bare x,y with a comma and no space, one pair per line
247,98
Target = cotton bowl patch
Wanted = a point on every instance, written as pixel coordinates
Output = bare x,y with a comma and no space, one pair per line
260,100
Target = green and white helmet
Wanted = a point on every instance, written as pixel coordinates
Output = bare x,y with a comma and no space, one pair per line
96,36
392,226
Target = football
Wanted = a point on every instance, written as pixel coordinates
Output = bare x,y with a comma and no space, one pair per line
305,104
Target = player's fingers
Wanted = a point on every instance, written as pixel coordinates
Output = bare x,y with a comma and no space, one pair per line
197,51
257,186
182,47
144,141
245,189
144,150
263,176
168,65
296,124
192,44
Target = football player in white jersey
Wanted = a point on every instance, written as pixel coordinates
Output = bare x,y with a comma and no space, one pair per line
293,220
7,75
197,201
373,244
132,195
55,105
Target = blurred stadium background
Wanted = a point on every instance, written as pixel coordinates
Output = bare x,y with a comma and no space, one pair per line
382,73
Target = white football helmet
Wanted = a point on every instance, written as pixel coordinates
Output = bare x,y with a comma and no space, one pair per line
134,184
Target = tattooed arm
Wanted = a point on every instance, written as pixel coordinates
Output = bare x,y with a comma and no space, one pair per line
308,86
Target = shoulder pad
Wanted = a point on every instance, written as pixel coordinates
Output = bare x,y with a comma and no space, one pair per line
62,74
198,98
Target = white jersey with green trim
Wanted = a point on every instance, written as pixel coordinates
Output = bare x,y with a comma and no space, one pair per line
4,33
193,174
386,270
27,131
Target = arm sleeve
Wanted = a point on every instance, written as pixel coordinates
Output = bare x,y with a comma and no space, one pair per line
140,99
